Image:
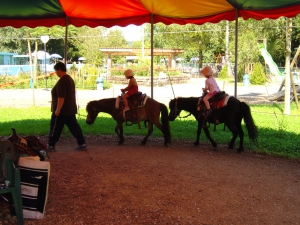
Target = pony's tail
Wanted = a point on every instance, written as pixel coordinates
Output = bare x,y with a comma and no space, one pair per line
165,123
251,127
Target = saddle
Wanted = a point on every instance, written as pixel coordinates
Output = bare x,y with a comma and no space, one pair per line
217,97
219,100
28,145
134,101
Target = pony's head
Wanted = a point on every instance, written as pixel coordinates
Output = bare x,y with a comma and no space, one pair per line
92,112
174,111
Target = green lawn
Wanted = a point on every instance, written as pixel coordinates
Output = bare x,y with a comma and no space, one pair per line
278,134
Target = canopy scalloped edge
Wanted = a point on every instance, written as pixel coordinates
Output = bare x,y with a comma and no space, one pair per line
60,20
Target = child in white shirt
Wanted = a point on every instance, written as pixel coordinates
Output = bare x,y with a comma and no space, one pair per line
211,86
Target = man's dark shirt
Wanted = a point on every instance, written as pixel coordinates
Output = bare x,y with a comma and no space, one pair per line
64,88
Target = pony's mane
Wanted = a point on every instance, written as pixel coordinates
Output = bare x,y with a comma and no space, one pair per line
187,100
91,104
100,103
184,103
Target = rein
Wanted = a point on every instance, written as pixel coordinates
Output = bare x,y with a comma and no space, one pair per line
78,106
169,76
176,112
182,117
79,115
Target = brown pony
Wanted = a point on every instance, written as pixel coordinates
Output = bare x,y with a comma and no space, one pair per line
150,113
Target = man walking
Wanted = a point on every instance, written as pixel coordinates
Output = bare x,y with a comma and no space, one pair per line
63,108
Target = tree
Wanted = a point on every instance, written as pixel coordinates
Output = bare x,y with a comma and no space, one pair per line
114,39
88,43
248,48
13,40
258,76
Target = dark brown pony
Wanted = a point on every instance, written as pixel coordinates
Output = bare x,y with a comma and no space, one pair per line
231,115
150,113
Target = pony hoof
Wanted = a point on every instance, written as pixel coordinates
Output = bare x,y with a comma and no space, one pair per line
240,150
143,142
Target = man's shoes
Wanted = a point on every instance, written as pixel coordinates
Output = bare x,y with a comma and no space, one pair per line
209,112
50,148
81,147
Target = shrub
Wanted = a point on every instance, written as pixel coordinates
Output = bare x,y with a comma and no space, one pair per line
106,85
48,82
258,75
117,71
224,73
90,70
241,73
89,82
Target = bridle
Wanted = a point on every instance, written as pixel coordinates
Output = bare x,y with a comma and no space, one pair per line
93,109
85,116
176,112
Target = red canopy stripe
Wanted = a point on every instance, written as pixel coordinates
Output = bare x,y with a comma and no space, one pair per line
212,19
289,12
108,13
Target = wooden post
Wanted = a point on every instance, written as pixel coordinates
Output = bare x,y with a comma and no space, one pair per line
292,79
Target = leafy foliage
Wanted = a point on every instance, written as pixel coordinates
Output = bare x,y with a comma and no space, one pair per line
204,42
224,73
258,75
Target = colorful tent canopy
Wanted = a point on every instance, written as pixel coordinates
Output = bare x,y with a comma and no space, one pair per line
107,13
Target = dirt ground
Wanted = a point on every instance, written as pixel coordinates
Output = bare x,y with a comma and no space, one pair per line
180,184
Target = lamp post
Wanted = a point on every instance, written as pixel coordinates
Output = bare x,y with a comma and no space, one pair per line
45,39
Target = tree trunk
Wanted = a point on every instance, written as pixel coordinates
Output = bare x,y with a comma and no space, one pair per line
200,59
227,61
287,94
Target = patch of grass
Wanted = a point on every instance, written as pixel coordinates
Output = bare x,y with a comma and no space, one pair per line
278,133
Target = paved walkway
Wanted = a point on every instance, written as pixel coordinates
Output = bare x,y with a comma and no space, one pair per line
42,97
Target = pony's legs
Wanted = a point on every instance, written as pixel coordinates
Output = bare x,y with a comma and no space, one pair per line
206,131
198,133
164,126
161,128
241,135
153,118
119,132
150,130
235,133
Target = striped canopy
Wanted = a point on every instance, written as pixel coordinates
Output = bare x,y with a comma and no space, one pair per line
108,13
